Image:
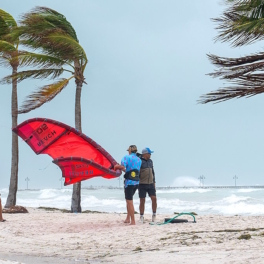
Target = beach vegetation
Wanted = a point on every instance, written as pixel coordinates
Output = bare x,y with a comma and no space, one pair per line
245,236
15,209
137,249
154,249
165,238
242,23
92,212
50,34
53,209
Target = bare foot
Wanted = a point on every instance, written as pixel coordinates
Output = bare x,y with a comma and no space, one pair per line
133,223
2,220
127,221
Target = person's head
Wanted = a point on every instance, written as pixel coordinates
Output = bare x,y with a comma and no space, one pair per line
146,153
132,149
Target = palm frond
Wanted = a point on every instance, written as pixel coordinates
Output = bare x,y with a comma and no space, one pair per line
241,23
230,62
231,68
51,18
5,61
9,20
244,73
67,46
46,30
38,60
43,95
6,47
235,72
224,94
7,24
37,74
4,30
7,51
56,45
251,80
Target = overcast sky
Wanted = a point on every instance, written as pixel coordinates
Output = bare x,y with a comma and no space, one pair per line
147,68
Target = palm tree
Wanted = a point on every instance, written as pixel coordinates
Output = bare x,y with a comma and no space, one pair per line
48,32
241,24
9,51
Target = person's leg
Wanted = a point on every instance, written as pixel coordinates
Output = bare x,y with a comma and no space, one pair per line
142,206
129,191
142,196
152,195
154,204
127,221
131,211
1,215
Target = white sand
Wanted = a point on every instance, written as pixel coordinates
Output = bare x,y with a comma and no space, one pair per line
97,238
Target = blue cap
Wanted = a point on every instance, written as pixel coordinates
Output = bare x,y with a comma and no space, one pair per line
147,150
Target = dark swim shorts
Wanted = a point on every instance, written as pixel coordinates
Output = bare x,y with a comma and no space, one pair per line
130,191
143,189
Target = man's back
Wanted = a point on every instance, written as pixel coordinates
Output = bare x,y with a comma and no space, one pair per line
147,174
131,162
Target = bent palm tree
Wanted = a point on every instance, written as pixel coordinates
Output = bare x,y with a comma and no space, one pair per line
9,51
241,24
48,31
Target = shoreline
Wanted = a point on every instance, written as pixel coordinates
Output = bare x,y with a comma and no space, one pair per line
100,237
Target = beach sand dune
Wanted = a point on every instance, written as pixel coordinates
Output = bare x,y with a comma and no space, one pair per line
55,237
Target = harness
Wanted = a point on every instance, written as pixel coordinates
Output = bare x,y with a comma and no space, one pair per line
132,175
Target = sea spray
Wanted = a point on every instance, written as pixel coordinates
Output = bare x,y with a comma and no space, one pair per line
183,181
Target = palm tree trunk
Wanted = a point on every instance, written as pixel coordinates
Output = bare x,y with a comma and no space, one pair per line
11,199
76,192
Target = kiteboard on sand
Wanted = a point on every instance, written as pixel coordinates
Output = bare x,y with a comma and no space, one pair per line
78,156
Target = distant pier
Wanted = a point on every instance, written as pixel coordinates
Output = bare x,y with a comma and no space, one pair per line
165,187
212,187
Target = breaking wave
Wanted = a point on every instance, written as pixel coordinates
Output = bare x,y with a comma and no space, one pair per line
201,201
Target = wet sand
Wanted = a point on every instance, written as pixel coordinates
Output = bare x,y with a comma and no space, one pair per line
55,237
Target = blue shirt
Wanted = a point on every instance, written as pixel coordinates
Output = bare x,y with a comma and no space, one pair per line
131,162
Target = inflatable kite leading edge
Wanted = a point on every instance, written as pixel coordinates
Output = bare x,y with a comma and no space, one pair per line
78,156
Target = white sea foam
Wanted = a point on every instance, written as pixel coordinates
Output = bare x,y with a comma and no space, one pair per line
201,201
248,190
234,199
241,208
48,193
4,191
183,181
184,191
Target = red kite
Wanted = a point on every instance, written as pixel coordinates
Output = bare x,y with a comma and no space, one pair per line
78,156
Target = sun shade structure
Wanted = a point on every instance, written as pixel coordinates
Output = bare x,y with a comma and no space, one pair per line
78,156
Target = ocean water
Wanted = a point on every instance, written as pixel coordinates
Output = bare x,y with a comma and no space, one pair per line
202,201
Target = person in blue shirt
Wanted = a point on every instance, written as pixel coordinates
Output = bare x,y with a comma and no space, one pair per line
130,164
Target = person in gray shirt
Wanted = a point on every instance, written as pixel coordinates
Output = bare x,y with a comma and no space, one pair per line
147,184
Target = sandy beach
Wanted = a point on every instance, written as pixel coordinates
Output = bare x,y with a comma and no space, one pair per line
55,237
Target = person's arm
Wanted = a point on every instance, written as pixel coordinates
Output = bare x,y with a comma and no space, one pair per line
120,167
154,179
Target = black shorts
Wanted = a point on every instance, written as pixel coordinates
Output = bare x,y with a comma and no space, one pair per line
143,189
130,191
